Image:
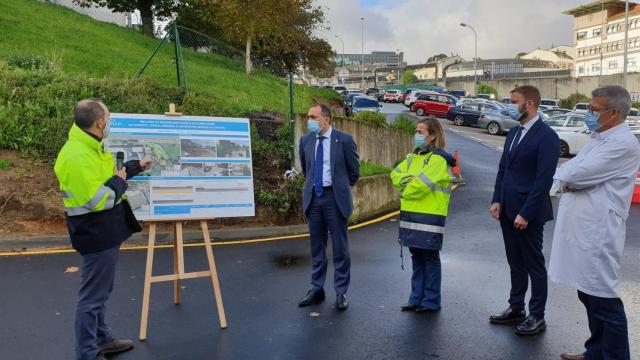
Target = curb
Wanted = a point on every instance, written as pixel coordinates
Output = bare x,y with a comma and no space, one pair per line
162,238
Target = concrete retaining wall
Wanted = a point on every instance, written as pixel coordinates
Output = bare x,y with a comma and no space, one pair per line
373,195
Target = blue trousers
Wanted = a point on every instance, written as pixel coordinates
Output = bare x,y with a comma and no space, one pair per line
98,274
426,279
526,261
324,217
608,325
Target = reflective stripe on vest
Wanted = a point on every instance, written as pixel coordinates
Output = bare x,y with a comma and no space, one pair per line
432,186
422,227
91,205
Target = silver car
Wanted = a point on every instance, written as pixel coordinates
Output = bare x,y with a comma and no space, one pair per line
499,122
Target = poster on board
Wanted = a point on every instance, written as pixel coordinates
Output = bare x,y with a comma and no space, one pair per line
201,169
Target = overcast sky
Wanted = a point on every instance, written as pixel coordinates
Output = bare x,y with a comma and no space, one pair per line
421,28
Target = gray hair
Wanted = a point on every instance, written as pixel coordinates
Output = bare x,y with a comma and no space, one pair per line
87,112
617,98
324,109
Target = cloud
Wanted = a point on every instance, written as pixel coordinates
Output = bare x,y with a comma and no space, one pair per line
422,28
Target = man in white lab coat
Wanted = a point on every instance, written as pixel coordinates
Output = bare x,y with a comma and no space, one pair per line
597,187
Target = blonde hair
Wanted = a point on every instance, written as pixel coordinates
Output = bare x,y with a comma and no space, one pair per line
434,128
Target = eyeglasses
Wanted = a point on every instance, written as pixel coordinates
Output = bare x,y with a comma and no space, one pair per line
591,110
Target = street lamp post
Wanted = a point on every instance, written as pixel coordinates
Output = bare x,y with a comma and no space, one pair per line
342,54
362,52
626,43
398,52
475,59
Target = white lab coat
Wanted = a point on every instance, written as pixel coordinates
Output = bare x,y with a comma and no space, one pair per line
591,224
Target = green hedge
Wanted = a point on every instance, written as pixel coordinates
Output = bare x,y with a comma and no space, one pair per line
404,123
371,118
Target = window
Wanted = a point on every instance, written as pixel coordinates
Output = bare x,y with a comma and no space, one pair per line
631,62
362,102
581,70
596,32
592,51
610,29
556,121
575,121
613,64
595,67
582,35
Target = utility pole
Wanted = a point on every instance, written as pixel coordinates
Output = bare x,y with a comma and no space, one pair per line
475,60
362,53
626,43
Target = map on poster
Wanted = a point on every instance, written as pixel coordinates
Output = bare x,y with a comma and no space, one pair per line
201,165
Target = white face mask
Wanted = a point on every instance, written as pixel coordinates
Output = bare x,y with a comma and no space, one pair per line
105,132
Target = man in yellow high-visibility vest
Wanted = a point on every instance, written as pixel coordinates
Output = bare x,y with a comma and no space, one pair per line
99,219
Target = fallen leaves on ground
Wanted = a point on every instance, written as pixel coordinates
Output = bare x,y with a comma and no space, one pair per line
71,269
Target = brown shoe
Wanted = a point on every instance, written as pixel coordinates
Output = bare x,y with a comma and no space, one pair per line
116,346
572,357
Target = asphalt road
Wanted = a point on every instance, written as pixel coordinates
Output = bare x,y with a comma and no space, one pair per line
261,284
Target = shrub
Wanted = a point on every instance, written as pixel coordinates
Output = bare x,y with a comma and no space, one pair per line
5,164
572,100
372,119
487,89
368,168
28,62
404,123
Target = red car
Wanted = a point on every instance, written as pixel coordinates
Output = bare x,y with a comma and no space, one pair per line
432,104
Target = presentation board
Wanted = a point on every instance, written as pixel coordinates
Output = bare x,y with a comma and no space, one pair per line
201,169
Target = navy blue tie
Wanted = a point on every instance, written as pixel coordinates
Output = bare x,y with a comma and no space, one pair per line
318,168
516,141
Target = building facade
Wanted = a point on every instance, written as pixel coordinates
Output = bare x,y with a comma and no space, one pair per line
562,56
599,32
382,58
493,69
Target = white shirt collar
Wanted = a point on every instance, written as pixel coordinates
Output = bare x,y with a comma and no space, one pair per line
607,134
530,123
327,134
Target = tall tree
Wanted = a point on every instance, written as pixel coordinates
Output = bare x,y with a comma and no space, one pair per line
149,9
408,77
436,57
279,30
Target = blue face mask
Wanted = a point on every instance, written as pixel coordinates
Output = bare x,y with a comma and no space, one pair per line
514,112
313,126
420,141
591,120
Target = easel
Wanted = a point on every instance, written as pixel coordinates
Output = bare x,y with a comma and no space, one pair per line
178,266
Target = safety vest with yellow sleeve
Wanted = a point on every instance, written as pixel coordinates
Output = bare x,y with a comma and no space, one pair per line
424,181
83,168
98,215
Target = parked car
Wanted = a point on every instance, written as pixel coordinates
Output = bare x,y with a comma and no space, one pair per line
372,92
380,95
365,103
549,102
472,100
432,104
554,112
571,142
486,96
580,107
413,96
405,94
469,113
633,115
499,122
339,88
566,122
459,93
348,103
392,95
505,100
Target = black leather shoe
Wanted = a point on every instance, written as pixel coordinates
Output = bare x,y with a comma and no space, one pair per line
422,309
341,302
531,326
116,346
408,307
508,317
312,298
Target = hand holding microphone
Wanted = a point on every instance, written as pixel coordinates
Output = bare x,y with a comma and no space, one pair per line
120,170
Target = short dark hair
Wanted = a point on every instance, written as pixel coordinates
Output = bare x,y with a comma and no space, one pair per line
529,93
324,109
87,112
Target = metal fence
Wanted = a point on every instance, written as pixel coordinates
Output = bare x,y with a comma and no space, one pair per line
507,76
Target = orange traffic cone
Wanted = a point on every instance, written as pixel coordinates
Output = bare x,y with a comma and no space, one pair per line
455,171
636,191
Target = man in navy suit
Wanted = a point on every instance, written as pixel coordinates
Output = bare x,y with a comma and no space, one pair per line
329,160
522,204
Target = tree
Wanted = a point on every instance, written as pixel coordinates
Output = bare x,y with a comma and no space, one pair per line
283,26
408,77
149,9
436,57
486,89
520,55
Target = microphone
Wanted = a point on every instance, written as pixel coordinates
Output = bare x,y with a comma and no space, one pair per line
119,160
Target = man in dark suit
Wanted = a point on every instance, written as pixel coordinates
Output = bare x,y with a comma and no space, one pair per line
522,204
329,160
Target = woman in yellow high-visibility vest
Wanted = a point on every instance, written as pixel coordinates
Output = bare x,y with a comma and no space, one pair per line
424,181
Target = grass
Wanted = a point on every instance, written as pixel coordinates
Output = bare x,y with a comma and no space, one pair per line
5,164
78,44
367,168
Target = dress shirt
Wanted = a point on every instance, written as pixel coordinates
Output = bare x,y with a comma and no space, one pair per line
525,129
326,157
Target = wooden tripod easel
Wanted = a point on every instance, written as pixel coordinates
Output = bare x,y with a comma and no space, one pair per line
178,272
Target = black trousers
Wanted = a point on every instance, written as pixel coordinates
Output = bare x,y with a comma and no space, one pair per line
526,261
608,325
